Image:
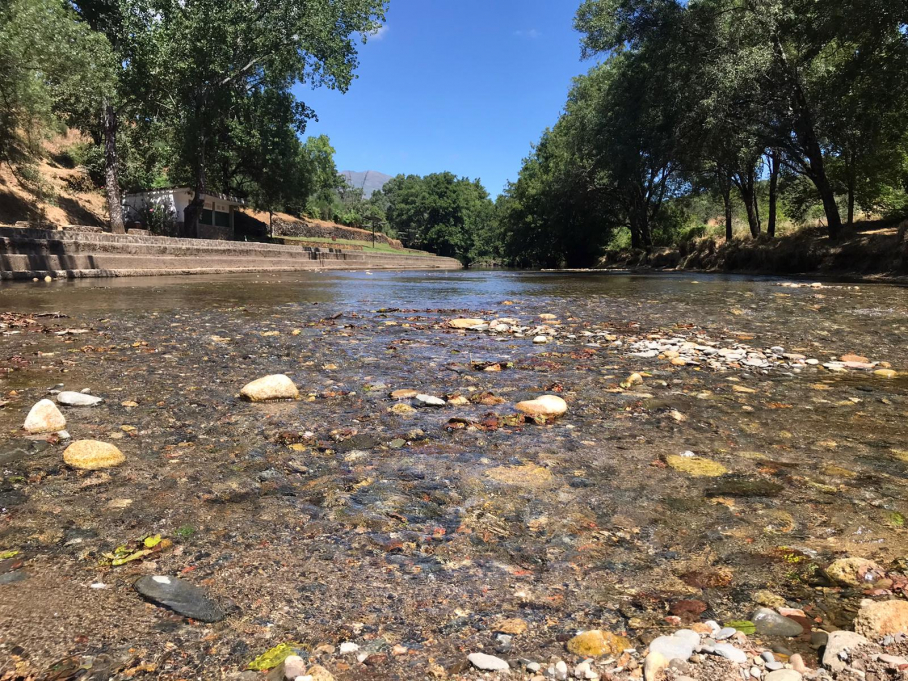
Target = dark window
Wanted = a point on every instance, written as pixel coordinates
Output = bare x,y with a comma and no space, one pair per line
221,219
207,217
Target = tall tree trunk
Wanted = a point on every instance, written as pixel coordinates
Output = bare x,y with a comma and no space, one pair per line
830,207
636,241
807,137
193,211
112,170
773,192
725,186
852,182
746,186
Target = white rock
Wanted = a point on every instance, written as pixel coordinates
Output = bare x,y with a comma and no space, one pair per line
488,663
653,666
44,417
544,405
276,387
561,670
348,647
71,399
541,340
430,401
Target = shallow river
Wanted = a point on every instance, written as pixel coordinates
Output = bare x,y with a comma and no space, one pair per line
743,458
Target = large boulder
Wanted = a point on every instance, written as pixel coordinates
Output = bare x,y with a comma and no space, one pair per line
44,417
839,649
877,619
91,455
276,387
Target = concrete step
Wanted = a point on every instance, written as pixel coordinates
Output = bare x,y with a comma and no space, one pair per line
26,253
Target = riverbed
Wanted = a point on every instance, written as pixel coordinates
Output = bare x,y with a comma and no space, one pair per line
725,437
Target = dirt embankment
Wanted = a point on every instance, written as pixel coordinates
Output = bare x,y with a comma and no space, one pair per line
53,191
870,250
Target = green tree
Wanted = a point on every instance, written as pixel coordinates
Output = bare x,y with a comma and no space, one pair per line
439,212
217,54
52,67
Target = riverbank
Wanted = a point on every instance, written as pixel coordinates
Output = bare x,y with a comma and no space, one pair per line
37,253
724,445
873,251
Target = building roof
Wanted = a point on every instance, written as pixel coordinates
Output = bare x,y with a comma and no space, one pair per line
169,190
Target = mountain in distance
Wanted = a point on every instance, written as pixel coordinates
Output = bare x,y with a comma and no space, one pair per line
369,180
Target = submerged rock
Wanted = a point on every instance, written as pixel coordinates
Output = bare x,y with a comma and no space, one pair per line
596,643
44,417
276,387
854,571
743,486
696,466
770,623
544,405
73,399
91,455
180,596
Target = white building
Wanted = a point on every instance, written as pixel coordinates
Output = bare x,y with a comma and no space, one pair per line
163,211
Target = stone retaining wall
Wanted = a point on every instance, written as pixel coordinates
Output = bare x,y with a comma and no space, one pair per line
318,230
27,253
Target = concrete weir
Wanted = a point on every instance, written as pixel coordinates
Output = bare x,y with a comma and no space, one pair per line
26,253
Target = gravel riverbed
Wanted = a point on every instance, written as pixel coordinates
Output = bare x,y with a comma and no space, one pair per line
731,466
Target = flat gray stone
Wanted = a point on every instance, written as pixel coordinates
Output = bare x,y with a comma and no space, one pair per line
488,663
72,399
729,652
180,596
770,623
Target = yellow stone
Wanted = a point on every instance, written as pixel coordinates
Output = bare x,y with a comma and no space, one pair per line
513,626
276,387
696,466
465,323
404,394
527,475
743,389
91,455
885,373
402,409
597,643
459,401
632,380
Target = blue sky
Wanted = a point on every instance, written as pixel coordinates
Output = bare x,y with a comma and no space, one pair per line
458,85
